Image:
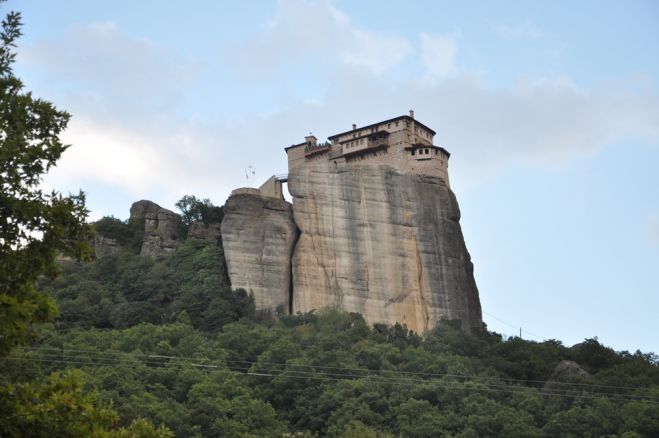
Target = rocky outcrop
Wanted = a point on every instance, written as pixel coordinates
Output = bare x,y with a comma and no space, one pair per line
258,235
105,246
565,372
210,233
140,209
380,242
569,370
163,229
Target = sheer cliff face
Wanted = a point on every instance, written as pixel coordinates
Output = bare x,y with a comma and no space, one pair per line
258,234
380,242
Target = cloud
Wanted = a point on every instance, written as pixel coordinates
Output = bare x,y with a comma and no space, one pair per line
438,54
525,30
538,123
129,131
374,51
314,35
103,71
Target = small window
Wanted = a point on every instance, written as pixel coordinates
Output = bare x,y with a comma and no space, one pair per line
413,152
388,125
396,123
427,152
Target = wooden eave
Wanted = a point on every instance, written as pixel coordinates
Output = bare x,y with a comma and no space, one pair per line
373,125
426,146
366,150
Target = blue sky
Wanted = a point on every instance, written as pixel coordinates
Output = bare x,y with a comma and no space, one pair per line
550,111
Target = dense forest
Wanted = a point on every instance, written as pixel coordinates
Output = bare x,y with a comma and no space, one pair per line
167,339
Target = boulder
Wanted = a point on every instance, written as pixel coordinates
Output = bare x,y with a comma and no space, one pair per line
568,370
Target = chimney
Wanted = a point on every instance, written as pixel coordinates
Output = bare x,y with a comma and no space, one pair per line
412,113
354,126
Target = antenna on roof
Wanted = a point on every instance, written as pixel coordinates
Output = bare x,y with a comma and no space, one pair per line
250,172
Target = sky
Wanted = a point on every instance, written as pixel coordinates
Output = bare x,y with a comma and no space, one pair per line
549,109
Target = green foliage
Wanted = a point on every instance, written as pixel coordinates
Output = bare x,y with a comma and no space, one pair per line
127,233
595,356
328,374
62,406
59,404
123,290
34,226
194,210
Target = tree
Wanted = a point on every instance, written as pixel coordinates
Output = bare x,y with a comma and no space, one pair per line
61,406
194,210
34,226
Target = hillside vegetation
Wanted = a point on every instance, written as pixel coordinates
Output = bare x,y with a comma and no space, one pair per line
168,339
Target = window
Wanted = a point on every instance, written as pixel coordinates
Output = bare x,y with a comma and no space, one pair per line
413,152
396,123
388,125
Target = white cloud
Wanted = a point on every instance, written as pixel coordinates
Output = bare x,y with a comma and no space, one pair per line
316,35
438,53
539,123
377,52
104,71
527,29
129,132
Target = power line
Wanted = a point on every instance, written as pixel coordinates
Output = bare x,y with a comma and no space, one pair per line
516,327
313,374
351,369
374,379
